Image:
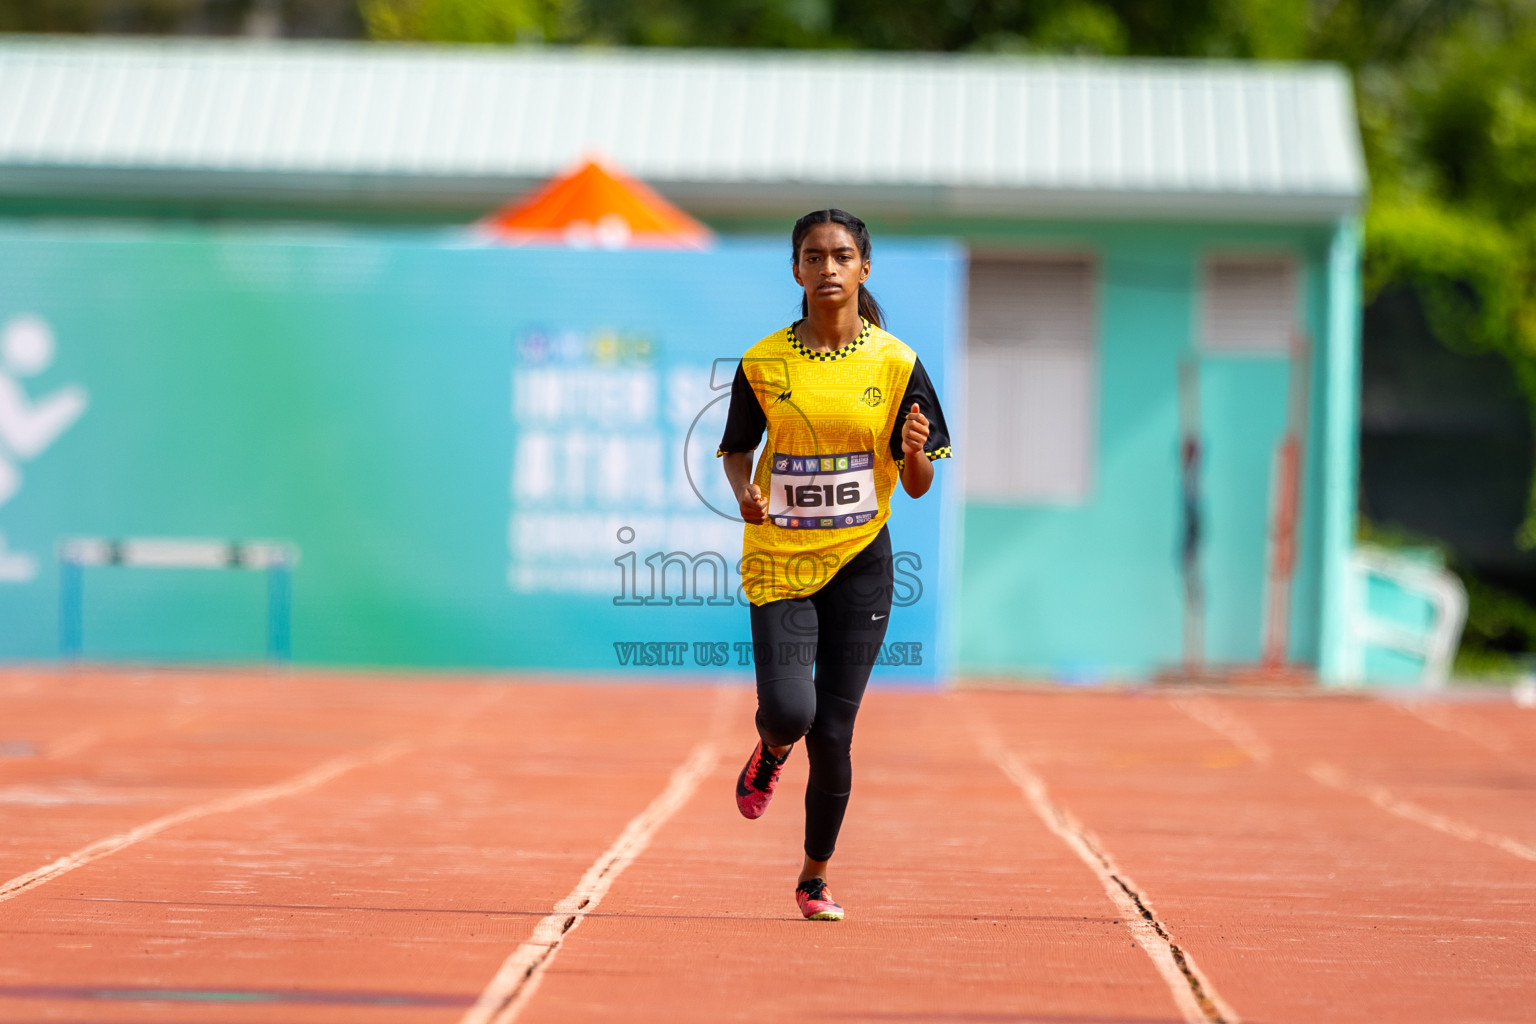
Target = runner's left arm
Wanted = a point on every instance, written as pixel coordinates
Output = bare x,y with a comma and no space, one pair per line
923,430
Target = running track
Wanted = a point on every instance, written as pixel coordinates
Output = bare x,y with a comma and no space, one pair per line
188,847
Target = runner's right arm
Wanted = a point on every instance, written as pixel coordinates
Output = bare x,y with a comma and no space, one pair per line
744,427
738,470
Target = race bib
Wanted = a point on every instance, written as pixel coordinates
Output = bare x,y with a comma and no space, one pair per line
826,492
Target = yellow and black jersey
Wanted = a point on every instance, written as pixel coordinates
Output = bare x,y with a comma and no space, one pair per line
834,422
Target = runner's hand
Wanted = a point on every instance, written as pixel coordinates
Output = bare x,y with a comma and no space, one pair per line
915,434
754,507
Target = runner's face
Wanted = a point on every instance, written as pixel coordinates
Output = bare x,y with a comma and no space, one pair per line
829,267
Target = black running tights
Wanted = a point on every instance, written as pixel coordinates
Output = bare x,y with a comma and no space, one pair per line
813,656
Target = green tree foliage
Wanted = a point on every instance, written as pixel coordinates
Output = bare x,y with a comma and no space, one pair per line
1152,27
470,20
1498,623
299,18
95,15
1450,132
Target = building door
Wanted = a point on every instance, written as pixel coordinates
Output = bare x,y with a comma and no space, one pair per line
1246,324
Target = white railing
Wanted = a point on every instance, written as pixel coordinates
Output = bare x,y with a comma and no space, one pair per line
1433,642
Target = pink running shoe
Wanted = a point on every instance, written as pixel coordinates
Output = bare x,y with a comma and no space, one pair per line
754,786
815,902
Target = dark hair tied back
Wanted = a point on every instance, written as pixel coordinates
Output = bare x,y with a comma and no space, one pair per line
869,309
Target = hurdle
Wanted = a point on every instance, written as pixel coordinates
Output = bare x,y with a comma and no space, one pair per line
276,558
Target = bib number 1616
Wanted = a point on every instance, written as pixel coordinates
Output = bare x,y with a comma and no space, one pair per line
819,492
819,495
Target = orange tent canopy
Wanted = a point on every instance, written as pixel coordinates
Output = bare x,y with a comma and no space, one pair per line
595,207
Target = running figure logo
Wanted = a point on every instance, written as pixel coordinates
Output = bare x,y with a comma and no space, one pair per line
28,428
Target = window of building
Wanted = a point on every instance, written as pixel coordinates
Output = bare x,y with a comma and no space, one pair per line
1030,380
1248,305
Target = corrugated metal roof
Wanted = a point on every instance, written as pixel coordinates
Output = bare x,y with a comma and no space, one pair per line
721,129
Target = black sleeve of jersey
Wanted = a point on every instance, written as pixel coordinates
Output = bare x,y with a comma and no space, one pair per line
744,422
920,390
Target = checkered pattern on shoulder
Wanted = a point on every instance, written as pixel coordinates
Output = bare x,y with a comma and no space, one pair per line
838,353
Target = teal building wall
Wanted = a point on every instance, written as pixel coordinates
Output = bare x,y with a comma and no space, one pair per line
1094,590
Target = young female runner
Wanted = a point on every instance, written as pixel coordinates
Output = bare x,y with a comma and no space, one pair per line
848,410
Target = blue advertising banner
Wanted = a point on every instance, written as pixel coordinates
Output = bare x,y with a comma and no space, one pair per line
486,457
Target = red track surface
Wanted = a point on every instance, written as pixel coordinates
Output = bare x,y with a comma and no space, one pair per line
1337,859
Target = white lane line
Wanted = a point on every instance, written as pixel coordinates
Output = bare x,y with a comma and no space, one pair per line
316,776
1239,732
509,991
1196,998
1441,718
1331,776
1217,718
